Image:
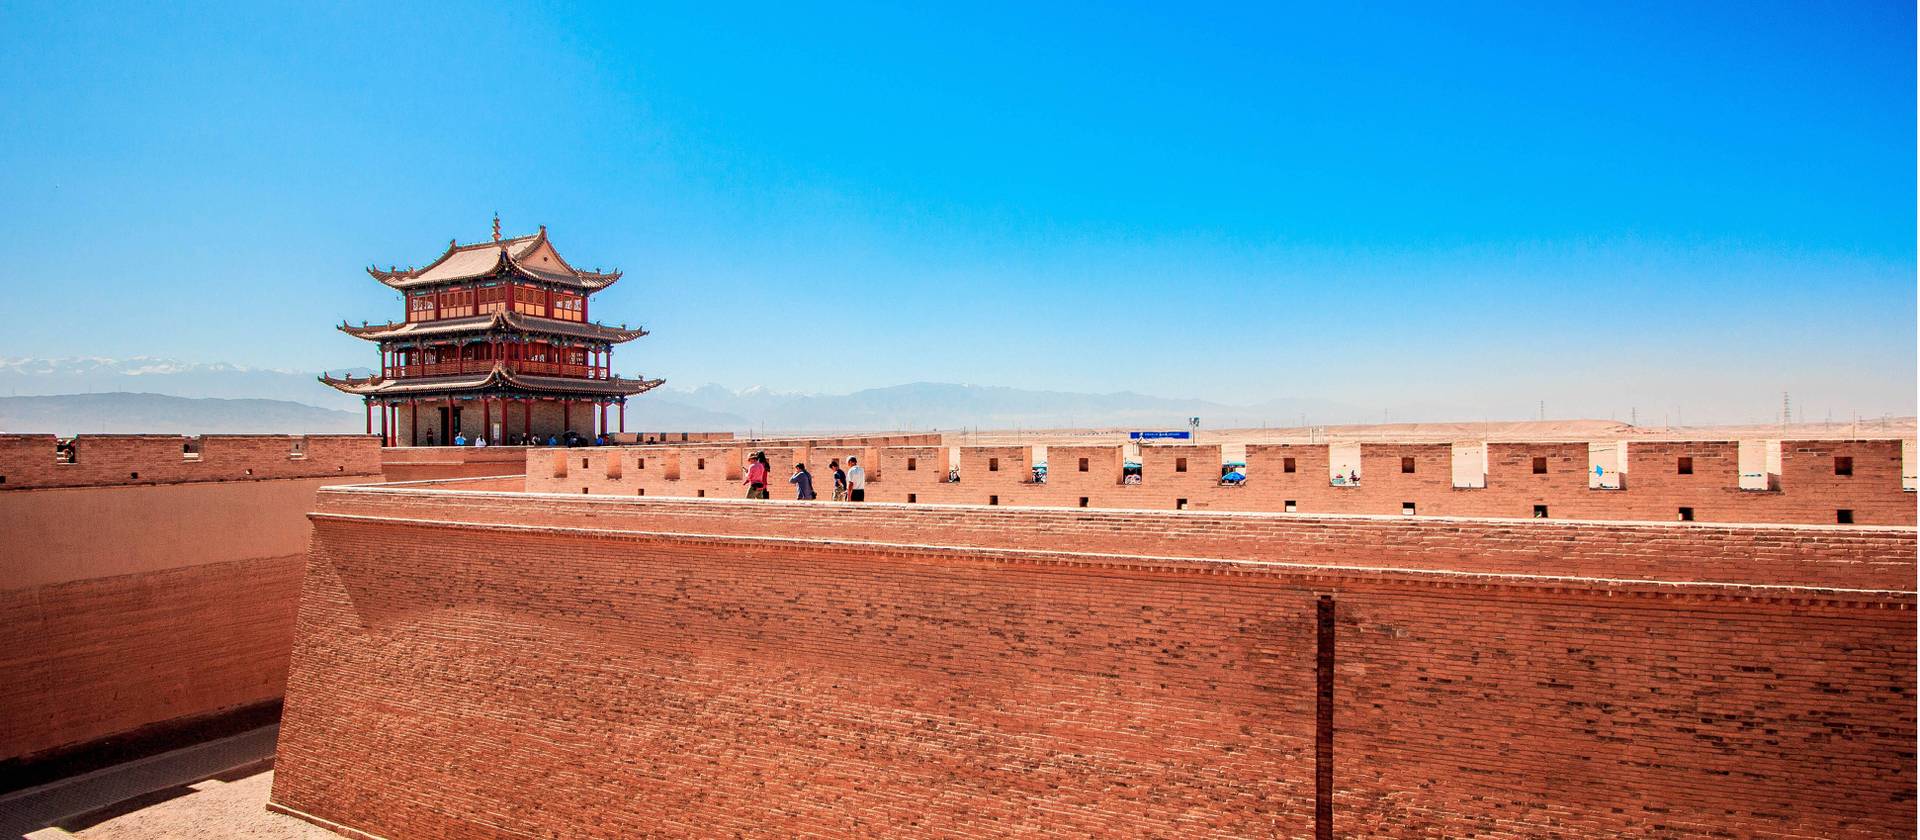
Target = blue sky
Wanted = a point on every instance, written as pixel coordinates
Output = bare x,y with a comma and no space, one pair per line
1665,206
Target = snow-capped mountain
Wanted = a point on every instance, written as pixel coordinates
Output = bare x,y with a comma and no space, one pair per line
22,377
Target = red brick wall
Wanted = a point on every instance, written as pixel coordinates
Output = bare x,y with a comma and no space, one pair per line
1586,714
90,658
133,605
1808,491
406,463
672,437
1815,556
780,683
27,461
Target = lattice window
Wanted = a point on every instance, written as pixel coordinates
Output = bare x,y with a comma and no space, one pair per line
492,299
530,300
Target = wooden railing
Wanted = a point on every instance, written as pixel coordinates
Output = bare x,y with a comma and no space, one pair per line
483,365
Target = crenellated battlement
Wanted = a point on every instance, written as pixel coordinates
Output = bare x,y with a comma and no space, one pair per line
1791,481
41,461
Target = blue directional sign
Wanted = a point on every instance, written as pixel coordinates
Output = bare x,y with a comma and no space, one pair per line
1159,435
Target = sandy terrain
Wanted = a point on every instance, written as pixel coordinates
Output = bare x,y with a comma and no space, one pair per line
211,810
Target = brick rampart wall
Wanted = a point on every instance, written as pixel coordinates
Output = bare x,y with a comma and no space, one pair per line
423,463
92,658
29,461
1816,556
671,437
129,606
1807,490
658,672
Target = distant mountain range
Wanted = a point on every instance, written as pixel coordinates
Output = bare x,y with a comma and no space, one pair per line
936,405
123,413
137,393
147,375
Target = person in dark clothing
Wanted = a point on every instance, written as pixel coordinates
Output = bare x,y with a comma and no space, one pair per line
802,482
839,480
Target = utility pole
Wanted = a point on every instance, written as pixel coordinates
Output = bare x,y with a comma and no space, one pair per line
1633,416
1543,409
1786,409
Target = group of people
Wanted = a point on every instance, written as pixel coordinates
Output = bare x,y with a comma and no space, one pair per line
513,439
849,485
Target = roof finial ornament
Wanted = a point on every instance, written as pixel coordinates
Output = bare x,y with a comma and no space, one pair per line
496,226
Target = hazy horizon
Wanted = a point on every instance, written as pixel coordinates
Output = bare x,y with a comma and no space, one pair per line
738,407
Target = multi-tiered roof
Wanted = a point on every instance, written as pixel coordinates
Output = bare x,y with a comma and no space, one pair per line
504,319
531,257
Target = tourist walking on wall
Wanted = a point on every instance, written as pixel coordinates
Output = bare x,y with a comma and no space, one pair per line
839,480
757,476
802,482
856,481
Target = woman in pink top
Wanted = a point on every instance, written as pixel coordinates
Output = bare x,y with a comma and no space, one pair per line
757,477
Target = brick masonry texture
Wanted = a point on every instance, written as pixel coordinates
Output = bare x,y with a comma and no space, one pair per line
642,667
425,463
28,462
1805,490
87,659
133,604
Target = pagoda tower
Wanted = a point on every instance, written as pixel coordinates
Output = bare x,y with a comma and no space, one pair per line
496,343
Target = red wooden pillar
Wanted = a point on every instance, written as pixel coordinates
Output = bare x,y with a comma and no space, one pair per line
566,416
413,422
623,417
369,416
486,412
384,440
451,428
526,418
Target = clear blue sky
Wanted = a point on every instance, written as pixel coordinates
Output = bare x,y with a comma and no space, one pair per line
1600,205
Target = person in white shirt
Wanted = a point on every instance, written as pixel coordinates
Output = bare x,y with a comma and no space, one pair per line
478,442
856,481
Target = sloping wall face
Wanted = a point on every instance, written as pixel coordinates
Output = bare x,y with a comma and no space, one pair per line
1521,480
630,667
